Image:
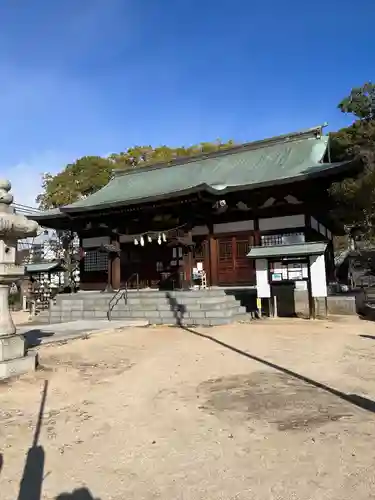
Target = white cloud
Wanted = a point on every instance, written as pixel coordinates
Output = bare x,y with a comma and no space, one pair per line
26,175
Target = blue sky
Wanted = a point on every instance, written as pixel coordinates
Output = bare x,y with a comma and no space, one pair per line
81,77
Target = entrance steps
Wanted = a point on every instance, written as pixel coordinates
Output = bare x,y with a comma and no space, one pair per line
209,307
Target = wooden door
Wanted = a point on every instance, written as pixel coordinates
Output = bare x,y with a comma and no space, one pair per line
226,261
244,267
234,267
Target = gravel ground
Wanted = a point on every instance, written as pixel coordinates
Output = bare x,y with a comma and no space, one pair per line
268,410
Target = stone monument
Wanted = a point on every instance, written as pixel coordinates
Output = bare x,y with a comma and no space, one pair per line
14,359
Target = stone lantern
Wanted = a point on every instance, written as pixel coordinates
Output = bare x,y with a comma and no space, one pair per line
13,227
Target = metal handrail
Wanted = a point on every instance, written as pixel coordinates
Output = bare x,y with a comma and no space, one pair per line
122,292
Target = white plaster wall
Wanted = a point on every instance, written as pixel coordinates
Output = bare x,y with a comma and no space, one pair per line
263,286
286,222
322,229
233,227
318,276
199,230
314,224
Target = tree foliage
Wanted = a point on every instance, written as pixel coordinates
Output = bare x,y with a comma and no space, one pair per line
360,102
65,247
355,197
77,180
91,173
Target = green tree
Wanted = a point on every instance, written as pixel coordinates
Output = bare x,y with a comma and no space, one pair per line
355,197
77,180
91,173
63,246
360,102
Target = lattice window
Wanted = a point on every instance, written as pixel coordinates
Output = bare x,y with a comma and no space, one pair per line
243,248
225,250
269,240
95,261
199,250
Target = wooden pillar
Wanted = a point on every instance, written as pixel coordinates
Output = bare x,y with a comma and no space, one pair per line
188,263
257,240
115,267
190,267
256,243
212,258
108,287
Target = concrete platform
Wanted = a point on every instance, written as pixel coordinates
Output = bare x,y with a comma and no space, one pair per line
46,334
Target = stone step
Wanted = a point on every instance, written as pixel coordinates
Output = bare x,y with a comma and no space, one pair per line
141,312
159,316
146,300
194,308
214,313
204,307
181,300
147,303
106,297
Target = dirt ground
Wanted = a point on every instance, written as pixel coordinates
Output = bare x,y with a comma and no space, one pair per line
20,317
268,410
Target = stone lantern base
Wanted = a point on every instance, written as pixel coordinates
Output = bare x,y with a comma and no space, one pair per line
13,357
13,227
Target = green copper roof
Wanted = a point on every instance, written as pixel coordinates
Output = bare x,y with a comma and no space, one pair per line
253,165
297,250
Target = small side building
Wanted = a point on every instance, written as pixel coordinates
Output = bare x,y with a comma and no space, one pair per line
41,282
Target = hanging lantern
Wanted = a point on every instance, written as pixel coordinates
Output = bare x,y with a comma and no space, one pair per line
164,237
135,241
142,241
159,239
149,239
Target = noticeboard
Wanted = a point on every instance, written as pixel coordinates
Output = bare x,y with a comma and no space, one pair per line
288,271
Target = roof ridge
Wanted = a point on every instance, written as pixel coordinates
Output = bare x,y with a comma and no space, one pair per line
247,146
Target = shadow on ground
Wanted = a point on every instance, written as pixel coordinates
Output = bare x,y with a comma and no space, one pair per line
79,494
34,337
31,483
354,399
371,337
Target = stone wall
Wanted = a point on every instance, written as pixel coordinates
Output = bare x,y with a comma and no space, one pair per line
336,304
342,304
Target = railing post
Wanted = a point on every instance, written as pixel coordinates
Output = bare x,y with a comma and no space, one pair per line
122,292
